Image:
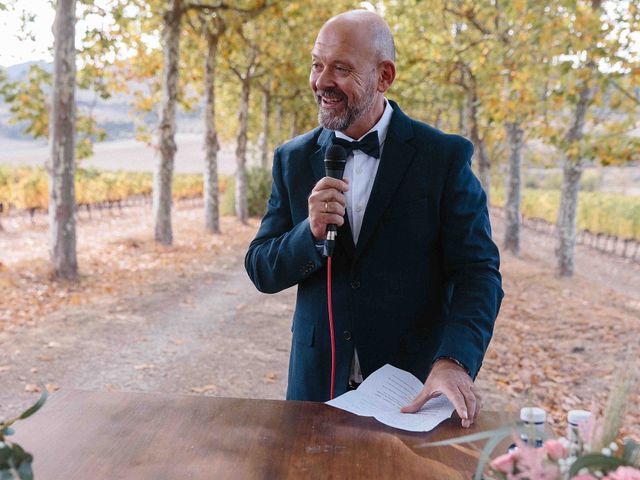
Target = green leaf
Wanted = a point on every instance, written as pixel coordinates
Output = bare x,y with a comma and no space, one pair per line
471,437
5,454
18,455
631,451
8,431
595,461
494,437
25,472
5,473
486,452
36,406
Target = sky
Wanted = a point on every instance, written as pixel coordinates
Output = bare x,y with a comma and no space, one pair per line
13,50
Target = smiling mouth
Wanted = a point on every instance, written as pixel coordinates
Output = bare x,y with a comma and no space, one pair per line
329,102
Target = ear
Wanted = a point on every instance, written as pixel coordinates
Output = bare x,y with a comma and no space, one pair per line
386,75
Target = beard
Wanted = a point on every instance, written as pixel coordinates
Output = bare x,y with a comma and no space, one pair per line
340,121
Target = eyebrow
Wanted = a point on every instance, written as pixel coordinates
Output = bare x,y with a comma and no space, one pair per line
335,62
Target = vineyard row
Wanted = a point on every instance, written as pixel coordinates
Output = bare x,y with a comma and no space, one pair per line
599,213
25,189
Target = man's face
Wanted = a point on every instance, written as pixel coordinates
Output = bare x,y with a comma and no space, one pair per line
343,79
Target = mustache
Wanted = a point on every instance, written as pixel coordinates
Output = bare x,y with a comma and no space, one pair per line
332,93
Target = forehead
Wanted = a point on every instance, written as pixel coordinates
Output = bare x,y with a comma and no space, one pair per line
340,43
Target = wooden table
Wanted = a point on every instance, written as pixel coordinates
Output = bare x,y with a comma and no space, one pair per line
114,435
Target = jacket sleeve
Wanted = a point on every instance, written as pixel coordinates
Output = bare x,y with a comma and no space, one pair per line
471,265
283,253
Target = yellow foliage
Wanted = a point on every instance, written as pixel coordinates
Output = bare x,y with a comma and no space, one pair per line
26,188
598,212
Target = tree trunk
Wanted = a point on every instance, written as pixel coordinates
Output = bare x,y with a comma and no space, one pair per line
241,153
294,125
572,172
462,118
512,207
264,135
484,164
211,194
62,201
566,225
278,120
163,174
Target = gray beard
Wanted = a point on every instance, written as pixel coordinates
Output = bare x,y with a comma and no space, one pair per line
340,122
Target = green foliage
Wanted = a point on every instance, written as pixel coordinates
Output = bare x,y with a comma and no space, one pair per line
598,212
15,462
227,205
591,180
29,104
258,191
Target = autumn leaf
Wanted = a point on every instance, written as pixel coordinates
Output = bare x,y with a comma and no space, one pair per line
204,389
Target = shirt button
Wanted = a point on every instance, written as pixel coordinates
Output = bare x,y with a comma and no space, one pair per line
355,284
347,335
358,209
359,170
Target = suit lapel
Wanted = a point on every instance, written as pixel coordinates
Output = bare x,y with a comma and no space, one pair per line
397,155
345,237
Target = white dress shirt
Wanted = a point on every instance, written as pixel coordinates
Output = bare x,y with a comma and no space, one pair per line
361,171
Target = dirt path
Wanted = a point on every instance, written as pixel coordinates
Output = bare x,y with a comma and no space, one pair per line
212,334
187,320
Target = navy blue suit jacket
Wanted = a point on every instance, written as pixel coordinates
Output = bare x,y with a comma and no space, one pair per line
423,280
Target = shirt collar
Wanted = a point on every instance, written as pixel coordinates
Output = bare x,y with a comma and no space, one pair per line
382,126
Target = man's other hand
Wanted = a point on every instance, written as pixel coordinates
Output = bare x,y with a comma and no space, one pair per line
450,379
327,205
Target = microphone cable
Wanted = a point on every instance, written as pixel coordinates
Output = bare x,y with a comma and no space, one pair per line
334,163
331,330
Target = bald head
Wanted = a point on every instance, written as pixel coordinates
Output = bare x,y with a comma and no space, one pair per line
372,30
352,67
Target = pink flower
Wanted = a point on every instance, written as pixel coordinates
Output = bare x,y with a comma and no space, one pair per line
624,473
555,449
505,463
584,476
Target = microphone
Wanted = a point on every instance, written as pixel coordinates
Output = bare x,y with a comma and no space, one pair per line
334,162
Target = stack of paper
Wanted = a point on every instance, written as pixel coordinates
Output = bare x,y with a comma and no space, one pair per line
387,390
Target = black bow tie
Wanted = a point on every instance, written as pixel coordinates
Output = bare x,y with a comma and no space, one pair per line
369,144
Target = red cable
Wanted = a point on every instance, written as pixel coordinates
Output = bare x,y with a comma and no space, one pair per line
333,339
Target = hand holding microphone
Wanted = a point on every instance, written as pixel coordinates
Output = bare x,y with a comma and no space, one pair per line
327,203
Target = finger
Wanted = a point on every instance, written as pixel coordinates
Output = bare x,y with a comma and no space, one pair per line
327,195
423,397
470,402
333,207
328,182
328,218
458,401
333,195
479,403
478,407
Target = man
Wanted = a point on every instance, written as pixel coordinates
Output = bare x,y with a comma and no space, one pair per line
415,272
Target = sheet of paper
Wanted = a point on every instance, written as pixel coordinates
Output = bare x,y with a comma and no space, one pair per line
382,395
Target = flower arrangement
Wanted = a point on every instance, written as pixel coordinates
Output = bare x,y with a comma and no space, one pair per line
556,460
593,451
15,462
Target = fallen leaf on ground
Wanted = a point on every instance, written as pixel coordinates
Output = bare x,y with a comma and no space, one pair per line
144,366
204,389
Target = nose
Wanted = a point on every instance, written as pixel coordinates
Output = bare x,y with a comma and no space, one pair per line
323,79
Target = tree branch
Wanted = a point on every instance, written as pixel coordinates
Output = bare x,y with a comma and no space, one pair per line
625,92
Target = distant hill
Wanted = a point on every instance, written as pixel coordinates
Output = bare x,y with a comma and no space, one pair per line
112,114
